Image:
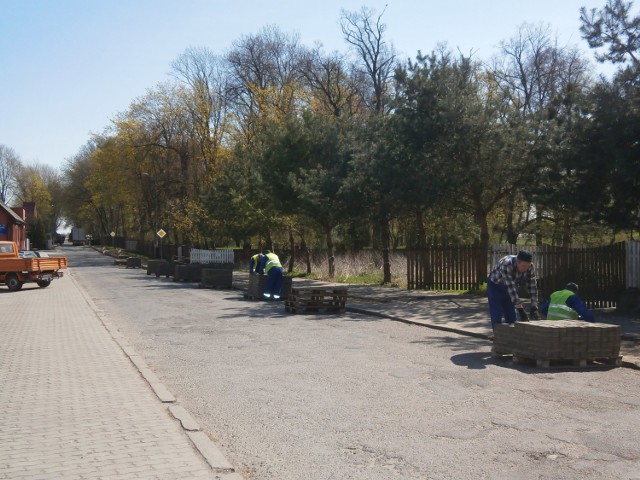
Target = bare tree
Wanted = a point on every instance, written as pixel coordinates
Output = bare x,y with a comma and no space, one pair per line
532,69
264,77
9,168
332,85
206,75
365,32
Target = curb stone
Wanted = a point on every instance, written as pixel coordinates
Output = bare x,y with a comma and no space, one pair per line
186,420
221,467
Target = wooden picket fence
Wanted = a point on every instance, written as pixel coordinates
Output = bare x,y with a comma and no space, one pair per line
446,268
602,273
599,271
211,256
633,264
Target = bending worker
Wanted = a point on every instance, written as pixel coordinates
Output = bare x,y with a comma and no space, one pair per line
254,262
566,305
502,288
270,265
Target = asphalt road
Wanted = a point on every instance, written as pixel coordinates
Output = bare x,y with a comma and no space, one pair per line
319,397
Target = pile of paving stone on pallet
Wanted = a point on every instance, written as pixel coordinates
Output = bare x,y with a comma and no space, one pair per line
559,342
187,272
316,300
257,284
216,276
160,268
134,262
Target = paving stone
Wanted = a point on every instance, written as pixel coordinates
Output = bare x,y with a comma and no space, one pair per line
73,405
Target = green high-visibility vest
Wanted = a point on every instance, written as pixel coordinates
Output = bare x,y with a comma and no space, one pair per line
253,263
558,309
272,261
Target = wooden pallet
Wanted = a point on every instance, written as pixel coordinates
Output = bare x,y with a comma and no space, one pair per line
313,309
551,363
316,300
570,363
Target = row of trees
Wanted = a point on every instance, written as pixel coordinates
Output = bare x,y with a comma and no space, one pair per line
275,142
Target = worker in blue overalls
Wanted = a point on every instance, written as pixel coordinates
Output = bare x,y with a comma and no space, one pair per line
270,265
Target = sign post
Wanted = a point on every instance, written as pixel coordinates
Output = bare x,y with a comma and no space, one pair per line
161,233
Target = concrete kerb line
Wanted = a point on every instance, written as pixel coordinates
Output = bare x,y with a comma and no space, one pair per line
200,441
458,331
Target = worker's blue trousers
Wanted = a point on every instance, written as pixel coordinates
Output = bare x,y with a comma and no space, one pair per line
500,304
274,281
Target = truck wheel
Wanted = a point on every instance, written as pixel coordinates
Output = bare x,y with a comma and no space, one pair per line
13,283
43,283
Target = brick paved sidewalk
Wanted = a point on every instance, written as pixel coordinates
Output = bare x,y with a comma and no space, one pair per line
73,405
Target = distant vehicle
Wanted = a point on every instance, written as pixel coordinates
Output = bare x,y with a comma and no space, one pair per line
77,236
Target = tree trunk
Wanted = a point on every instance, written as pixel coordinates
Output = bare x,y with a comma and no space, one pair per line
292,247
331,258
268,242
512,235
566,230
307,253
483,247
386,263
421,233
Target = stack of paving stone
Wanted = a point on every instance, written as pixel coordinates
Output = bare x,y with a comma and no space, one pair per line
134,262
216,276
189,272
564,340
317,300
257,284
160,267
504,338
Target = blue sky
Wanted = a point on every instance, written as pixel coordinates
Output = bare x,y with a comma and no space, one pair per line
67,67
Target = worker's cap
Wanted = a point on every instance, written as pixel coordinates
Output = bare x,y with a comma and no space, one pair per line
525,256
265,252
572,286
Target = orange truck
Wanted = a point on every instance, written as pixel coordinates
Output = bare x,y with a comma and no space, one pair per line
16,271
